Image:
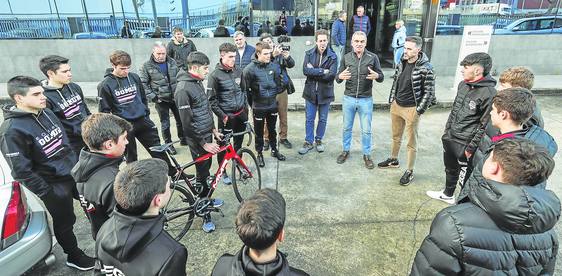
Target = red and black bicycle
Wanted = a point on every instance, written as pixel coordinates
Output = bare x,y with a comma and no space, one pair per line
186,201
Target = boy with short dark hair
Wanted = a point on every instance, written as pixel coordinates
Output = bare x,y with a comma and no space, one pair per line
260,225
133,241
37,150
106,137
197,122
121,93
64,98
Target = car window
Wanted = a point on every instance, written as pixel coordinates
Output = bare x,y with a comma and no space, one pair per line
546,24
528,25
558,23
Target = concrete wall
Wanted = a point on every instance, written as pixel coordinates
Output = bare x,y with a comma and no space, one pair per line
541,53
90,58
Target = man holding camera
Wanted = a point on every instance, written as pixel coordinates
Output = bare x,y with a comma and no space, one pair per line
281,56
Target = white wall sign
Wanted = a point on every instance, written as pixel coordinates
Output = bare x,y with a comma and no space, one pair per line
474,39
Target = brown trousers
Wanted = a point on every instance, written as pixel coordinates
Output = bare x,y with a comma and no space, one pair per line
404,118
282,107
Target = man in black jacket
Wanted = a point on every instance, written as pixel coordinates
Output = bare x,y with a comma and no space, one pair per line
65,98
227,99
319,67
467,122
221,30
197,121
36,148
412,92
121,93
507,228
511,110
260,225
106,137
159,79
262,82
133,241
281,56
180,47
358,69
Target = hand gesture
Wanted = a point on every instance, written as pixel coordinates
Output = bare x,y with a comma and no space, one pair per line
468,154
217,134
308,65
345,74
211,147
276,50
372,74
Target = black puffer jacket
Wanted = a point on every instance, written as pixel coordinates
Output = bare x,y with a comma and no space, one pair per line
262,82
423,83
242,265
504,230
225,95
180,50
157,86
358,86
195,111
471,112
94,175
130,245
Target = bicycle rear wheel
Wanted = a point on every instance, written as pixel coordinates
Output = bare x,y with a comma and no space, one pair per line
179,212
245,182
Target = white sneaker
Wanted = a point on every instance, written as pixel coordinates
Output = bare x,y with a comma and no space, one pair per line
439,195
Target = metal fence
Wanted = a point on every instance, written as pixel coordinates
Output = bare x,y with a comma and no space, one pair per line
34,28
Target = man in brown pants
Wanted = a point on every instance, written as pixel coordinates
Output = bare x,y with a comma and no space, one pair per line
412,92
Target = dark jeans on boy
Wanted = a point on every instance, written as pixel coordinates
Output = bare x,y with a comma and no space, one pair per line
163,109
260,118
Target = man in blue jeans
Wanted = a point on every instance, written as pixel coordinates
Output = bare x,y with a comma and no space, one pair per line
319,67
339,35
358,68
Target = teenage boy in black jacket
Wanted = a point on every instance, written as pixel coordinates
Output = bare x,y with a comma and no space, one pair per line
197,122
106,137
261,80
133,241
64,98
467,122
37,150
121,93
227,99
260,225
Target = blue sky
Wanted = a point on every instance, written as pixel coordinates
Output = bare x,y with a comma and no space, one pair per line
99,6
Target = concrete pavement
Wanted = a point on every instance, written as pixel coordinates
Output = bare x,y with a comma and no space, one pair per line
341,219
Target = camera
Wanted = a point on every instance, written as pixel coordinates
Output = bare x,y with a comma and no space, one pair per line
285,47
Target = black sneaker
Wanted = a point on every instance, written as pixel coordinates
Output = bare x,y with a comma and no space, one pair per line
286,143
261,162
407,178
183,141
278,155
81,261
389,163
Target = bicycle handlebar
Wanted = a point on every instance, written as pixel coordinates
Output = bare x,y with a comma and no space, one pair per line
249,130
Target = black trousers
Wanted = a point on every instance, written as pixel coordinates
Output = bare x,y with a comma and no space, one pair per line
260,118
146,132
234,124
202,169
457,167
59,204
163,109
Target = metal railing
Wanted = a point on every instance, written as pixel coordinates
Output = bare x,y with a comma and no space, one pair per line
34,28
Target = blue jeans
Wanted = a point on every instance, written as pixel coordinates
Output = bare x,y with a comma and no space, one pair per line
339,53
398,56
363,106
311,110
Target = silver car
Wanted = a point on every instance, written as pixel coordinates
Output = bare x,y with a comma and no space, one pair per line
26,236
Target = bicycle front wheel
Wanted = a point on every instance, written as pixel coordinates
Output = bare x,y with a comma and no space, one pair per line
179,212
246,177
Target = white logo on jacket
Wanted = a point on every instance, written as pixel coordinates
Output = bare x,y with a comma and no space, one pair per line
472,105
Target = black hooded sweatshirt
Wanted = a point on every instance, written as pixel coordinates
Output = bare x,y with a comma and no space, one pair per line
36,148
124,97
94,175
135,245
242,265
69,106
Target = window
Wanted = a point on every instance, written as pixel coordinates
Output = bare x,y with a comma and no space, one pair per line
528,25
558,23
546,24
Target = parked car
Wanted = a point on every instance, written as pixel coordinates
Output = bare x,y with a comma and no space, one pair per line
165,34
92,35
26,235
210,32
533,25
